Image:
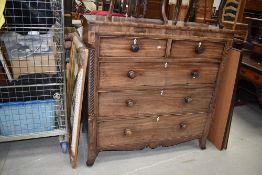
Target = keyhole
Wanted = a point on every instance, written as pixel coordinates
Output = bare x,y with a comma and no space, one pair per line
135,41
166,65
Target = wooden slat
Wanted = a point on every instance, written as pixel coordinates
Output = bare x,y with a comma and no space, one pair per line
231,8
230,15
233,1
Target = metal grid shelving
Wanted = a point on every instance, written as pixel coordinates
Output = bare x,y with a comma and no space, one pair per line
32,71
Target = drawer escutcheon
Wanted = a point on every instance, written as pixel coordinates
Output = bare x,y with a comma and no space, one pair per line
183,125
130,103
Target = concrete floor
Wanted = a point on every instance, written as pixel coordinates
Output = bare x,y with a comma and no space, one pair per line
243,157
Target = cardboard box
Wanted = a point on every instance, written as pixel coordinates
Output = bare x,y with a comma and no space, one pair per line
37,63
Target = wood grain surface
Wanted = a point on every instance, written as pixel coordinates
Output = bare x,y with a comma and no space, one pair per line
186,49
179,100
115,75
140,132
223,99
120,46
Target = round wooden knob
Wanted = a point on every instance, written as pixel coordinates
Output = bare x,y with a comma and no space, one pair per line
182,125
131,74
130,103
188,99
128,132
195,74
134,46
199,48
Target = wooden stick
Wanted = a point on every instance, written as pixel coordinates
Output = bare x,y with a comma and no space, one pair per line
111,9
178,7
164,12
220,11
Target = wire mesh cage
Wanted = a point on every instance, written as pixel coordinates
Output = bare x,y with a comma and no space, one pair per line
32,83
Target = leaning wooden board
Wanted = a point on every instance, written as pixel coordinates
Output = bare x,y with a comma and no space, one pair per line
76,71
221,118
152,84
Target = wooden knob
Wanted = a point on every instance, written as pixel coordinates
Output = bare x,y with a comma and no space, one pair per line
182,125
134,46
131,74
188,99
199,48
195,74
130,103
128,132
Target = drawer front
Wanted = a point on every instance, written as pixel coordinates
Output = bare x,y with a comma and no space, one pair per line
250,75
133,75
131,47
194,49
128,134
181,100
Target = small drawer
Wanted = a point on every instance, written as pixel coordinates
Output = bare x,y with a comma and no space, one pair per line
136,133
142,75
196,49
175,101
131,47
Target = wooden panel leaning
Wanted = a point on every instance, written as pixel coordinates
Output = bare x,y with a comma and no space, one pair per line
75,76
159,90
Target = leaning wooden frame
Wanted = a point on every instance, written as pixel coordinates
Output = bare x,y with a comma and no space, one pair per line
76,71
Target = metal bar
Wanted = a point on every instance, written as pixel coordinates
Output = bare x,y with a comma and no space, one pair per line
33,135
33,85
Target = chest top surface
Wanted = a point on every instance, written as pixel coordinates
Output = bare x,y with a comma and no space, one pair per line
151,23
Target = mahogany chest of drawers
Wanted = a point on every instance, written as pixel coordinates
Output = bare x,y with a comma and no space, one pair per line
151,84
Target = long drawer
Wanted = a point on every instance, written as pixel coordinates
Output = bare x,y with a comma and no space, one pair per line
152,131
122,47
196,49
179,100
134,75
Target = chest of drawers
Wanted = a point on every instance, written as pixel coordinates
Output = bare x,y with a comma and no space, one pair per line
151,84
